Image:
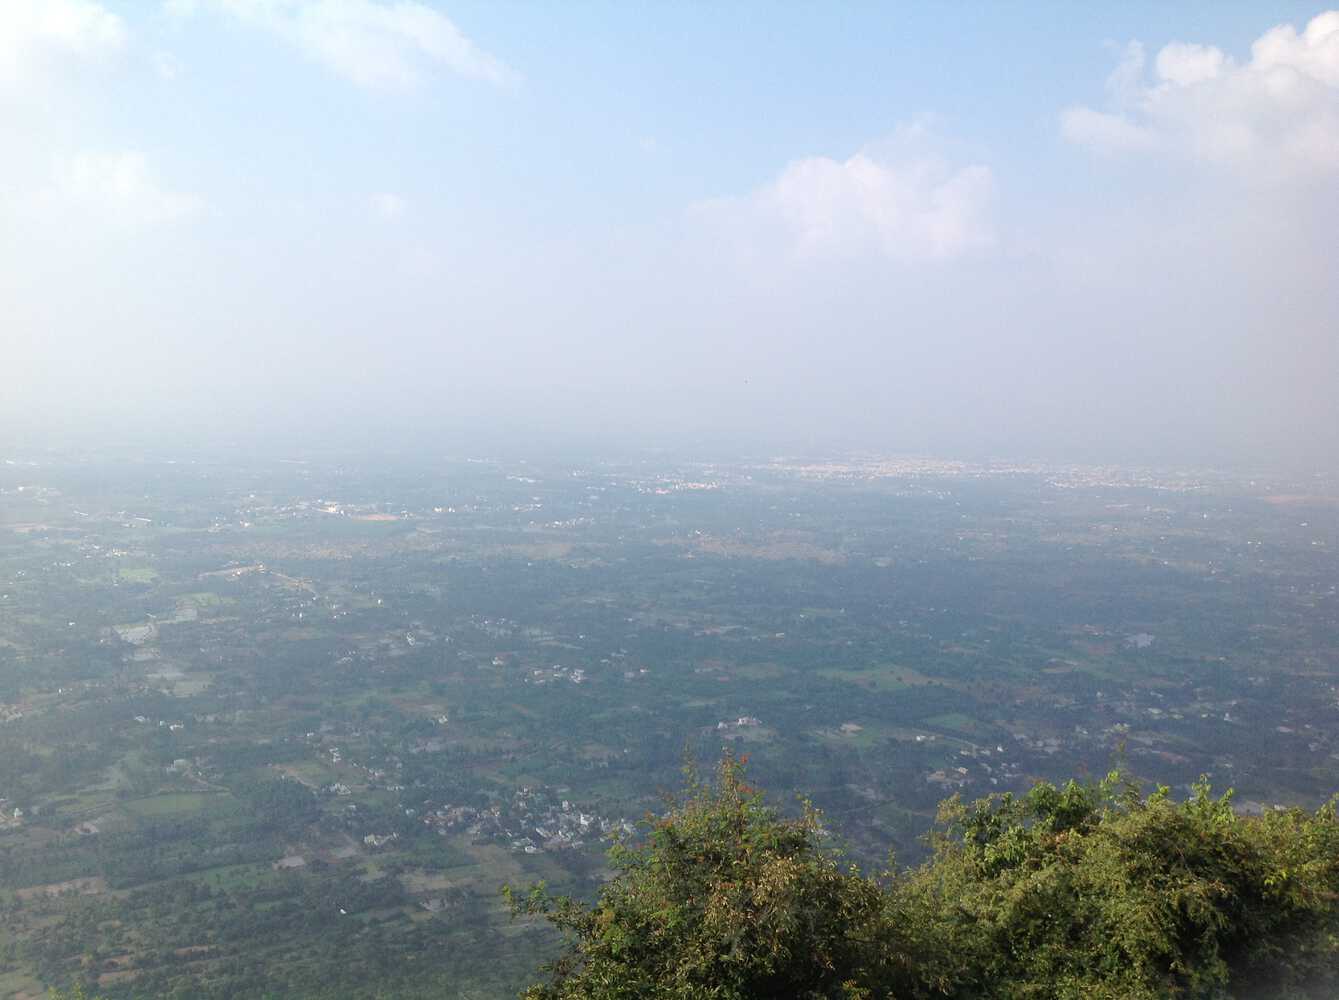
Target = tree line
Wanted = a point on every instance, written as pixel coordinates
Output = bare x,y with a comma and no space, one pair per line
1096,891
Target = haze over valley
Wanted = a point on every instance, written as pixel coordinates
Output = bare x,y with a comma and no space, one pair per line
429,431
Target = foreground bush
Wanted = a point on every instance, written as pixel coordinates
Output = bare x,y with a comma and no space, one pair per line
1085,891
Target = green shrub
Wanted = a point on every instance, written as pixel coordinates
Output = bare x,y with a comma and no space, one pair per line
1082,891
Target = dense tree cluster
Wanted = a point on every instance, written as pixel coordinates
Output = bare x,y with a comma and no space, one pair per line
1080,891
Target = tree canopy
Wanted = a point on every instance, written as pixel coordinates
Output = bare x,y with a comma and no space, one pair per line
1080,891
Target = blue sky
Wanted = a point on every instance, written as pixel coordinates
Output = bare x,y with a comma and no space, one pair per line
1081,230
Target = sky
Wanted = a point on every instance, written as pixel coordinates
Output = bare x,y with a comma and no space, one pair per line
1094,232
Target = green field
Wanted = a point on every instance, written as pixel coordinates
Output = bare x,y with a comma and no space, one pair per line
881,678
137,574
175,805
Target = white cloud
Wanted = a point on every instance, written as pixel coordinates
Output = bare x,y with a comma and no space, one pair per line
1274,116
1107,133
31,29
381,45
388,206
1314,53
167,66
1126,81
899,202
1185,64
117,187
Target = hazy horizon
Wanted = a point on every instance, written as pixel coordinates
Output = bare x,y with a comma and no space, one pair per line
1082,234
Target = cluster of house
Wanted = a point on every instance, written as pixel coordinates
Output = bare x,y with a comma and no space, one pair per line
174,727
978,762
374,774
533,822
1145,722
10,814
664,486
731,729
557,672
